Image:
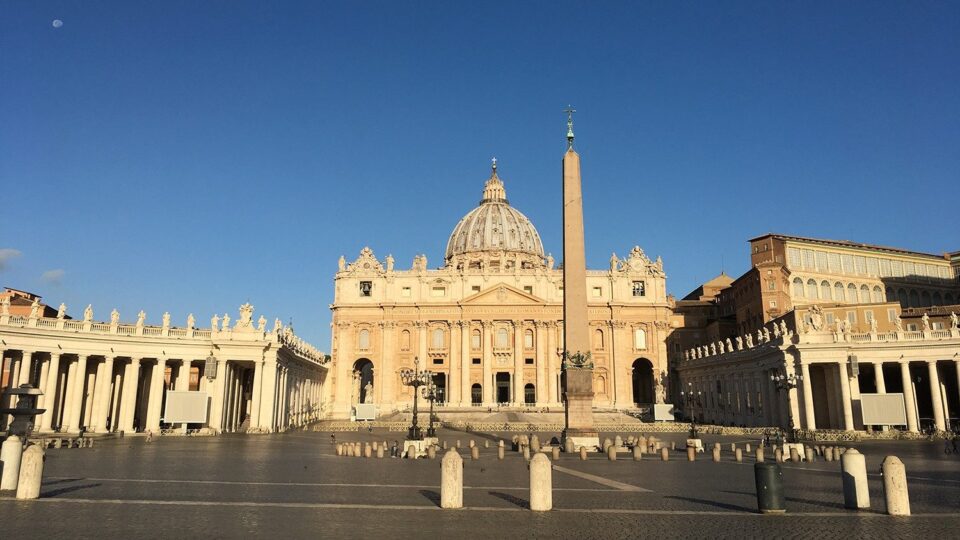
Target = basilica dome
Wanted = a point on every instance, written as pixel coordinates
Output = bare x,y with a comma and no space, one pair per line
495,227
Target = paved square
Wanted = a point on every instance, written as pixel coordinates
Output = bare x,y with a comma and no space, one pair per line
294,485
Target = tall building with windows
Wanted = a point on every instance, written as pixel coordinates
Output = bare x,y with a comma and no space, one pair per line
488,321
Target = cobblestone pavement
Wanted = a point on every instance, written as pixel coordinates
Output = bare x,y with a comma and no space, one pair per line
294,485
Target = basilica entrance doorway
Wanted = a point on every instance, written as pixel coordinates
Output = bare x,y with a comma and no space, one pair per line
642,381
363,380
503,387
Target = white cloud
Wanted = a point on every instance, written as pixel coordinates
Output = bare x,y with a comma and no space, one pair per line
53,277
6,255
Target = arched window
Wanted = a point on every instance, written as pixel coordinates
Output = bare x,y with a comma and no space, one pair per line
914,298
891,295
502,338
902,297
528,339
598,339
639,339
937,299
864,294
948,299
812,289
798,287
363,339
925,299
838,292
438,338
476,394
475,339
851,294
600,384
405,340
825,290
529,394
877,294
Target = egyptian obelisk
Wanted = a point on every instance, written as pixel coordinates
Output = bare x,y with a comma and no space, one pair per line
577,364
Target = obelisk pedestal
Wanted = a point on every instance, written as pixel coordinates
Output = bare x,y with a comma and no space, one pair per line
577,365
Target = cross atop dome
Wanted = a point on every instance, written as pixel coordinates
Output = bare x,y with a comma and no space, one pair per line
493,190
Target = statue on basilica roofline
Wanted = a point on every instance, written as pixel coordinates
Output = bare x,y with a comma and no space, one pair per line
390,262
166,319
35,309
214,323
549,261
226,321
262,323
62,311
141,317
614,262
954,322
88,313
925,320
342,263
114,317
191,321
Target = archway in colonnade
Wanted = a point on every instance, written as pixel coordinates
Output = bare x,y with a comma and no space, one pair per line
362,377
643,382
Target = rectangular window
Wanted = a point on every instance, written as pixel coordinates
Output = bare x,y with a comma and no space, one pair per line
405,292
847,261
773,303
475,341
793,256
475,361
808,260
437,292
822,261
884,267
771,285
528,289
528,340
852,317
475,288
528,361
830,318
366,288
597,292
639,288
891,315
872,267
438,361
834,263
861,264
936,325
911,327
868,315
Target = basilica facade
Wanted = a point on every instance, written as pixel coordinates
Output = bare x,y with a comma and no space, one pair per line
488,323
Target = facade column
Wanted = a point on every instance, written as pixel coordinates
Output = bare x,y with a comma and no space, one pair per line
42,383
518,351
486,341
387,375
183,376
878,377
936,396
540,361
908,397
808,410
255,403
552,396
157,380
216,405
228,390
453,380
268,398
78,376
465,363
50,397
845,396
128,401
26,367
956,364
103,391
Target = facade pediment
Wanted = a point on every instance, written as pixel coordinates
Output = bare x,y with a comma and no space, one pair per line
502,294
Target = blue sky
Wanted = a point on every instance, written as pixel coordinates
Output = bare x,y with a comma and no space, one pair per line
192,156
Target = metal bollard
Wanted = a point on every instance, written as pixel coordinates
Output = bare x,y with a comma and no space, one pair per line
853,468
451,480
895,486
769,481
541,484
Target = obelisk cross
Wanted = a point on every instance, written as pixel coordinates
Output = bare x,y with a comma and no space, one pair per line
569,110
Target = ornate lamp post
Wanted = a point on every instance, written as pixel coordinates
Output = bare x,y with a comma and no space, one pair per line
415,378
431,393
692,399
785,383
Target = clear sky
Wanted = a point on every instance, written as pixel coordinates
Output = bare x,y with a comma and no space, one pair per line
192,156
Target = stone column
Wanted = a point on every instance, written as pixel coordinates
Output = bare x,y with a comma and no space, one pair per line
219,396
42,383
343,365
486,342
157,380
183,376
78,376
104,391
466,359
845,396
268,399
453,380
256,402
26,367
387,375
422,344
808,410
908,397
553,396
936,397
51,394
540,361
518,352
878,376
956,364
128,402
228,390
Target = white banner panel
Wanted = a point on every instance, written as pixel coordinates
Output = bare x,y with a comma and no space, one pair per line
186,407
883,409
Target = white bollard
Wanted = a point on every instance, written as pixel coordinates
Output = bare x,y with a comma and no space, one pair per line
500,453
895,486
451,480
10,454
475,453
541,484
853,468
583,453
31,473
555,451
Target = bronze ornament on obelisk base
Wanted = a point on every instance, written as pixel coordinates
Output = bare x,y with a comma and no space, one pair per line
577,375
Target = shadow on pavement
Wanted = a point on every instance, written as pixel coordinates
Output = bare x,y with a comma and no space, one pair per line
69,489
431,496
725,506
511,499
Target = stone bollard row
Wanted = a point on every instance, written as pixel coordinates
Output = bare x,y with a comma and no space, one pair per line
451,480
738,455
431,452
691,453
778,455
895,486
10,456
500,453
637,453
759,454
474,453
853,469
612,453
811,457
534,443
716,455
556,453
486,444
583,453
526,453
794,454
664,454
31,473
747,448
380,452
541,484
